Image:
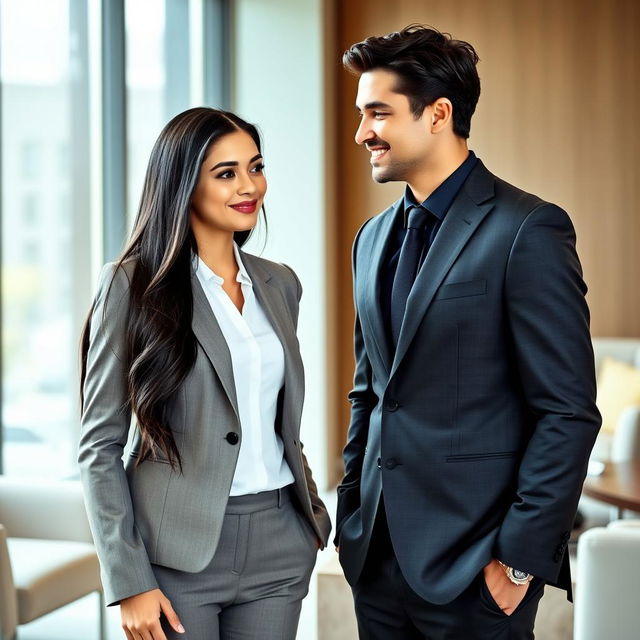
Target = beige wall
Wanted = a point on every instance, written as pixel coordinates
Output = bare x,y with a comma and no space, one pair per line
558,116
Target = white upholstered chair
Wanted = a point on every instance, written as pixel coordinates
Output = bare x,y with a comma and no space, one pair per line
606,604
47,557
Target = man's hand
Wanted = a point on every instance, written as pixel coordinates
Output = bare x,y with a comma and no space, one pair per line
141,616
506,594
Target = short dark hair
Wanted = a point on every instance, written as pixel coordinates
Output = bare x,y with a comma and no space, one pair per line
429,65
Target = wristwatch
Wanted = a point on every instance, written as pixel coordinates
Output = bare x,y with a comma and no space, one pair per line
515,575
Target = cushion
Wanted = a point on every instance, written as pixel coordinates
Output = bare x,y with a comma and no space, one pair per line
618,388
49,574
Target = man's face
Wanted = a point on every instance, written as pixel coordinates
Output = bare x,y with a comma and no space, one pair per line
399,144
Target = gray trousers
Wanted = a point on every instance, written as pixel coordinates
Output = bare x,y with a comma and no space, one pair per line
254,586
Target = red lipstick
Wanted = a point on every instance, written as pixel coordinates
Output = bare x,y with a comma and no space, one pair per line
248,206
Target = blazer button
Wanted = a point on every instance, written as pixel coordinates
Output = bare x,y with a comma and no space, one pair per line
391,405
391,463
379,463
232,437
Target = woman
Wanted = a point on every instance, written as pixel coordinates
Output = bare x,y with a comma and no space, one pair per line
212,524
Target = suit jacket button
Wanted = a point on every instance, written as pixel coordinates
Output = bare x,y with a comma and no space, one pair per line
391,405
391,463
232,437
379,463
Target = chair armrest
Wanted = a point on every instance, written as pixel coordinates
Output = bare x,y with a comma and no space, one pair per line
50,510
8,598
626,439
630,524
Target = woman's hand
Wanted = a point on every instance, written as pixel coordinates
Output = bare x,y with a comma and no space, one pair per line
140,616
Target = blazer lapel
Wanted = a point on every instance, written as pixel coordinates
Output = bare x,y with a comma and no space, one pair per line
276,309
370,301
463,218
209,335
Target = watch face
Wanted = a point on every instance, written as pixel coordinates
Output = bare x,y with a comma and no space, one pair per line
520,575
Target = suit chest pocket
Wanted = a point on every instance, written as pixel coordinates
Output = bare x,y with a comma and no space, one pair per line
461,289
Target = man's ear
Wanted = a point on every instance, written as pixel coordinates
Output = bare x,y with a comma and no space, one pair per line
440,114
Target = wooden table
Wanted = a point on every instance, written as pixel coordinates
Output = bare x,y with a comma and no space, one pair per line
618,485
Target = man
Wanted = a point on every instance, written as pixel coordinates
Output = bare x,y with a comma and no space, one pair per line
473,410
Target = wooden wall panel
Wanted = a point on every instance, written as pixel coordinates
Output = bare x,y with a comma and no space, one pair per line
558,116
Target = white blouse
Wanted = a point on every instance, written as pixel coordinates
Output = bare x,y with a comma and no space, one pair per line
257,358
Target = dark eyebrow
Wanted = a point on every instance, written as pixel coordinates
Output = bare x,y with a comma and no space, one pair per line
234,163
374,105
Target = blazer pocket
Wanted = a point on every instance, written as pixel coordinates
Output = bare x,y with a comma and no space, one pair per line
135,454
472,457
462,289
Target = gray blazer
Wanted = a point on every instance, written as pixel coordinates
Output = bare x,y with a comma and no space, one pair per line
152,514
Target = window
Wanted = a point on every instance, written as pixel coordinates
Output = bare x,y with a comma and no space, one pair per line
30,161
41,114
57,202
30,210
157,81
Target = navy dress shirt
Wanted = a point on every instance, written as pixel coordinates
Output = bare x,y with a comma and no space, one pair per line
438,204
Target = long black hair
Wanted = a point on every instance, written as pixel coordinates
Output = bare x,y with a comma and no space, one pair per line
160,345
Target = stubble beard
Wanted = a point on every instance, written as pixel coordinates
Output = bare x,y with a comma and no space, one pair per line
393,172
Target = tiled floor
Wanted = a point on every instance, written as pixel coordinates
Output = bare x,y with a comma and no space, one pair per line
79,620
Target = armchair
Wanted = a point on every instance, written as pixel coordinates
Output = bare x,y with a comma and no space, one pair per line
606,604
47,558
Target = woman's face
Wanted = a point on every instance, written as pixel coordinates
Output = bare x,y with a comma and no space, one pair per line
231,186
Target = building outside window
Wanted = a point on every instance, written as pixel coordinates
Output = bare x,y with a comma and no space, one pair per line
52,165
41,67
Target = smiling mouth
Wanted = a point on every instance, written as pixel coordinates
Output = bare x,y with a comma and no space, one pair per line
245,207
376,154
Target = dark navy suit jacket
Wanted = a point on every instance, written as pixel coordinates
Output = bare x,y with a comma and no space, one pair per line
480,426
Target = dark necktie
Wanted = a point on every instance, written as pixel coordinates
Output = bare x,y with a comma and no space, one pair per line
412,247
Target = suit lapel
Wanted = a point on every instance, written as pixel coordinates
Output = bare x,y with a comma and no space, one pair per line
209,335
465,215
277,310
373,279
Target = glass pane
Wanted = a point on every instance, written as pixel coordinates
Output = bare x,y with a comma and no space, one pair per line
157,77
45,230
145,89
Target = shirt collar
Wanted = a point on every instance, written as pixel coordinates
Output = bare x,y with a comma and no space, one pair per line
440,200
243,276
206,274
